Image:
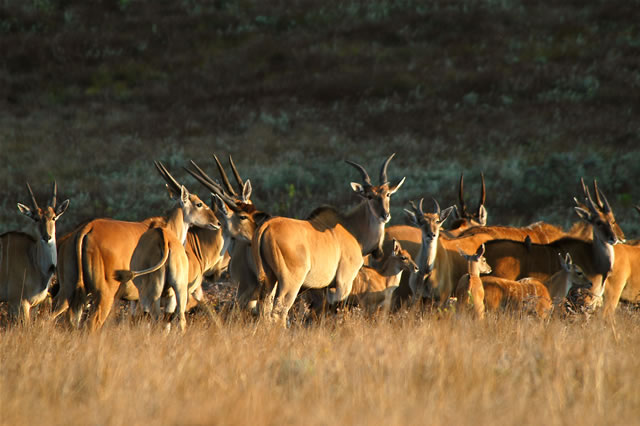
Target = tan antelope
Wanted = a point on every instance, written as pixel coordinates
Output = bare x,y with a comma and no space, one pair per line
469,290
436,257
515,260
28,259
327,248
159,261
372,288
530,296
240,219
88,259
411,237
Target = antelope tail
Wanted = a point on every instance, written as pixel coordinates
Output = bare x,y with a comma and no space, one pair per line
257,253
79,239
126,275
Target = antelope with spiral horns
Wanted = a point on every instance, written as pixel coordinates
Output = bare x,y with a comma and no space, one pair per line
326,248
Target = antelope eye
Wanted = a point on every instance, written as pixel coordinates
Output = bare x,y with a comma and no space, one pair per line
199,205
403,258
242,217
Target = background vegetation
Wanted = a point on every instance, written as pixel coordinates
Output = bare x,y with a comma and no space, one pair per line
534,94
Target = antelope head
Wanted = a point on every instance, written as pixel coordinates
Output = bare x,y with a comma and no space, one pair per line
577,277
477,262
599,215
194,211
377,197
464,217
44,219
403,257
429,223
241,221
239,215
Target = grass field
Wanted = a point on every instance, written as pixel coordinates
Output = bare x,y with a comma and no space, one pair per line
404,370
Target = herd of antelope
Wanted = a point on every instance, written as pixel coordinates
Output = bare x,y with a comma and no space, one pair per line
337,256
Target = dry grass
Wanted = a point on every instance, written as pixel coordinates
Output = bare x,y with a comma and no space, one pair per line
405,370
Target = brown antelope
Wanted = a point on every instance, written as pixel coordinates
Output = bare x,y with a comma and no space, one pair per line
88,259
28,260
411,237
324,249
469,289
559,284
515,260
530,296
372,288
240,219
436,257
504,292
159,262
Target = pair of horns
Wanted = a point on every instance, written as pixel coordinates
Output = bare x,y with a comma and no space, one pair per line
53,197
215,187
365,176
600,204
419,209
173,184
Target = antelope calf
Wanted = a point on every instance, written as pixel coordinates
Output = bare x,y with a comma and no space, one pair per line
529,294
470,289
29,260
373,287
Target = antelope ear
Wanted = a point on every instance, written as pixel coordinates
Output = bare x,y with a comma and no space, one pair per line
62,208
220,204
393,189
396,247
172,194
184,195
563,264
246,191
261,217
583,214
357,188
482,215
567,259
480,250
411,217
25,210
456,213
445,213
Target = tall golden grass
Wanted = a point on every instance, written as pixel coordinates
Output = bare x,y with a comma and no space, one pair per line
409,369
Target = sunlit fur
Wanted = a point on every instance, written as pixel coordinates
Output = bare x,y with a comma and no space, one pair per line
159,261
327,248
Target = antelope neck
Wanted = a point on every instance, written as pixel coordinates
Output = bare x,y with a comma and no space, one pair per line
367,229
177,224
428,253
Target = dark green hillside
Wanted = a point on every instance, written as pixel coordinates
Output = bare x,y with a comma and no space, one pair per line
535,94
